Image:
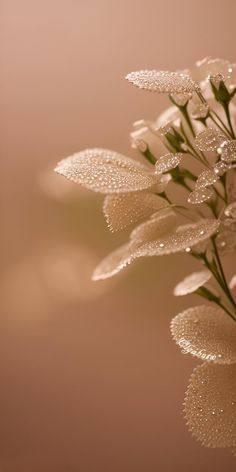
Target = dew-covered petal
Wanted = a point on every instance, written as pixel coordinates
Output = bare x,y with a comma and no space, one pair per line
106,171
220,168
183,238
210,140
192,282
207,177
162,81
210,405
126,209
229,152
232,283
200,195
114,262
168,162
159,225
206,332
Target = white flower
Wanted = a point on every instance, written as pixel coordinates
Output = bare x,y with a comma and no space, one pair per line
145,134
206,332
192,282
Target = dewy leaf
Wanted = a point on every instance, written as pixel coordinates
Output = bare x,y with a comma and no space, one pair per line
163,81
229,152
192,282
210,405
199,195
126,209
106,171
206,332
114,262
210,140
207,177
159,225
182,238
168,162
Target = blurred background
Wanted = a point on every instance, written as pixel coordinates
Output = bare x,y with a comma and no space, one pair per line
90,378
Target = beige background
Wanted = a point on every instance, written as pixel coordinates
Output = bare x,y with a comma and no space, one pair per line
90,379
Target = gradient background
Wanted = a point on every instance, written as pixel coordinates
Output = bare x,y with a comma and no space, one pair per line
90,378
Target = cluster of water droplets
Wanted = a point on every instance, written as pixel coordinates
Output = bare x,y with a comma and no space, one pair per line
163,81
210,405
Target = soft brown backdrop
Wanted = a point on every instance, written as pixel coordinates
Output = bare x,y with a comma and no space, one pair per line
90,379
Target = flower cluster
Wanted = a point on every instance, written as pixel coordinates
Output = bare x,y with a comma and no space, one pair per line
198,152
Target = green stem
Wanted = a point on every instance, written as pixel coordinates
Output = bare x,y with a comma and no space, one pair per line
227,290
223,128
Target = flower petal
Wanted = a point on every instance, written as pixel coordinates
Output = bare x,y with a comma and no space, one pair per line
124,255
229,152
106,171
181,239
207,177
220,168
206,332
199,195
159,225
210,405
168,162
125,209
192,282
210,140
114,262
162,81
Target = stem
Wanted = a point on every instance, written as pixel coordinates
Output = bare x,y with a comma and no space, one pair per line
223,128
226,109
227,290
